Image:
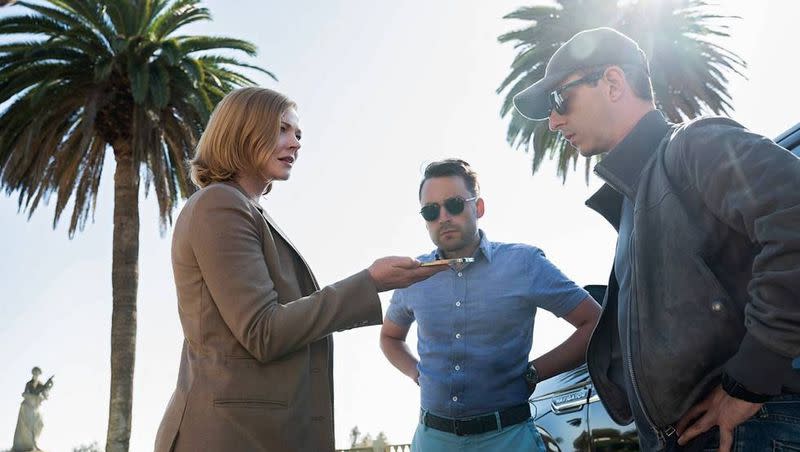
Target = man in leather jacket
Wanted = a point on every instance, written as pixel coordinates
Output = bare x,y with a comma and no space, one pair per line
701,319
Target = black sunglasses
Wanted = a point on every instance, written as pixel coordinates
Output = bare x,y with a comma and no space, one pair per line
453,206
559,103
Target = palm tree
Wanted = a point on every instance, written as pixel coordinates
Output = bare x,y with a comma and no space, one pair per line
88,76
689,69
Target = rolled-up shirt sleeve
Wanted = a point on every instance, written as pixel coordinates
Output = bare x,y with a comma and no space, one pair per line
550,288
399,312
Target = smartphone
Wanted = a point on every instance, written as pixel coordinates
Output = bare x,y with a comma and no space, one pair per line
459,260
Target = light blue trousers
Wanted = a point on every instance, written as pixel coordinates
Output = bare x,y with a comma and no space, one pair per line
519,437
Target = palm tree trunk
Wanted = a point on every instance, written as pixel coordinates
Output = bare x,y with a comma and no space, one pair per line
124,285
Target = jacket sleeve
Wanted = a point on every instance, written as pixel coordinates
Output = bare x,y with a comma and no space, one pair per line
227,243
753,185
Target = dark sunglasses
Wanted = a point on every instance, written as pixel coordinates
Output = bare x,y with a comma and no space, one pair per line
559,103
453,206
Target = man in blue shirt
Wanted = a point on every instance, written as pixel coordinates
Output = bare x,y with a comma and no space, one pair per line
475,325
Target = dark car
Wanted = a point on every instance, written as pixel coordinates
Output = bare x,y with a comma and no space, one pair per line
569,416
790,139
566,408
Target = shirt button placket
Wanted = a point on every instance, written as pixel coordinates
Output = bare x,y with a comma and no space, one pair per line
459,346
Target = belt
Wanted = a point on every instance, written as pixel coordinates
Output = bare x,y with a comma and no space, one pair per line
478,424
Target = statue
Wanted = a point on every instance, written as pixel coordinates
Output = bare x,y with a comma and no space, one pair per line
29,422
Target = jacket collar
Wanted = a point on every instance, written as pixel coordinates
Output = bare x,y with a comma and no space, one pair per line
273,226
237,186
623,165
262,211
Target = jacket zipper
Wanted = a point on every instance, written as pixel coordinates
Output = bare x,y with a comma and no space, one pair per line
667,432
661,434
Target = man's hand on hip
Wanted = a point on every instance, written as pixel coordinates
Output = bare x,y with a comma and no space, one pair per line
717,409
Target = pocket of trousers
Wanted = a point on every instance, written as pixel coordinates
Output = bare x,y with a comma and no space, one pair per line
785,446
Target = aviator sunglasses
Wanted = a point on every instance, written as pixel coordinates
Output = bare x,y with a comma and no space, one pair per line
453,206
559,103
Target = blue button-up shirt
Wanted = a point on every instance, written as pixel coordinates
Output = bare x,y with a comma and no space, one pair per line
475,326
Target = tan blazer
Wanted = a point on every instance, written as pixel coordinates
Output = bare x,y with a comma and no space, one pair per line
256,368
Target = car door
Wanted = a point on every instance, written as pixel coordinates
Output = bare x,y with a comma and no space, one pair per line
570,416
559,408
605,434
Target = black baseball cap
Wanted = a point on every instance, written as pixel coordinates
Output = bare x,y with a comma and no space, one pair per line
589,48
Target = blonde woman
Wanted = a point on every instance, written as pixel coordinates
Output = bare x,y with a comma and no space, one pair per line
256,367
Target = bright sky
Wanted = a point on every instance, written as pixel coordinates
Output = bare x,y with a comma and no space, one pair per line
383,88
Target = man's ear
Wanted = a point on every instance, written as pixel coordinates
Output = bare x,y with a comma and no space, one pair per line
479,207
617,83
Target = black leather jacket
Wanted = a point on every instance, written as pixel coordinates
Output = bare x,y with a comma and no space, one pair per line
715,261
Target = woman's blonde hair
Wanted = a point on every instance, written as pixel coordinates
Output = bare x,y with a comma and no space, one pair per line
240,136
